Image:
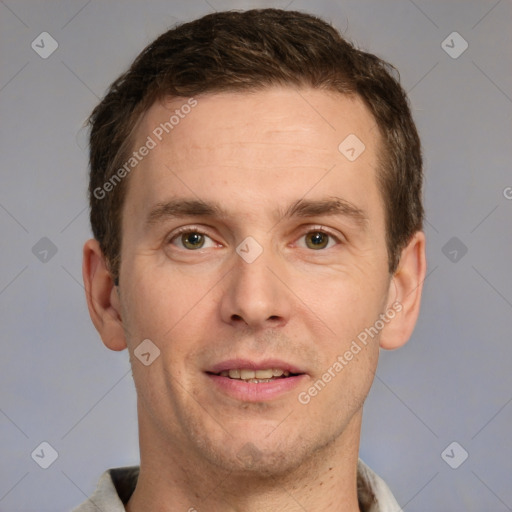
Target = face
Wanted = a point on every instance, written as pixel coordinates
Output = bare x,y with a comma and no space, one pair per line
253,248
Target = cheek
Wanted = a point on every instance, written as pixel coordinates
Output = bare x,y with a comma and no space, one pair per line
347,302
174,311
158,300
349,354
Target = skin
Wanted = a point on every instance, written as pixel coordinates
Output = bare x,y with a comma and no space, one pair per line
253,153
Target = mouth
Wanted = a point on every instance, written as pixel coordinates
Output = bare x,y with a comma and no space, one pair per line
249,381
256,376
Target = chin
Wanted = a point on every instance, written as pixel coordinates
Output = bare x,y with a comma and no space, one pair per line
257,457
266,463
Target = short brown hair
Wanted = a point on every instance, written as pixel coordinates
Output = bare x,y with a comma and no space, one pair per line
250,50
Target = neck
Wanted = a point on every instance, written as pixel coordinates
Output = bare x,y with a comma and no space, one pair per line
174,477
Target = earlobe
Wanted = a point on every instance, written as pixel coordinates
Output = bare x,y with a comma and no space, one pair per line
102,297
405,293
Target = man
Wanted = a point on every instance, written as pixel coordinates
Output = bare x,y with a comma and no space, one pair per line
255,194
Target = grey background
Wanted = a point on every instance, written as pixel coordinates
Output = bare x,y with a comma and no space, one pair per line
451,382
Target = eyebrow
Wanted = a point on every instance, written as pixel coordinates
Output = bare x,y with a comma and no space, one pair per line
331,206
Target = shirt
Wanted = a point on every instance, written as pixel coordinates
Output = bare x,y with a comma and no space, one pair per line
117,485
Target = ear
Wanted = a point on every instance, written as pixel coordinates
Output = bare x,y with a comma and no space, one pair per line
404,294
102,297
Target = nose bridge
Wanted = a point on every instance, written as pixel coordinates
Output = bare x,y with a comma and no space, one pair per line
254,294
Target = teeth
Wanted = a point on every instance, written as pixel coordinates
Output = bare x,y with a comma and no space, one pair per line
264,374
255,375
247,374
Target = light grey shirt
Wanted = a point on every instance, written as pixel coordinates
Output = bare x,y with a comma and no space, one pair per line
117,485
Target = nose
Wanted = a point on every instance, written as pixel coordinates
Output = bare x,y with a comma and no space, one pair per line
254,296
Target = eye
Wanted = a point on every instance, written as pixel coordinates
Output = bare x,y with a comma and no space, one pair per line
319,239
191,239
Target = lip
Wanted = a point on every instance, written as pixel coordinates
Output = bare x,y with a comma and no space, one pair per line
251,391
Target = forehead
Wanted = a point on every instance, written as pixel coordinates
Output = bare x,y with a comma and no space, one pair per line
269,116
276,145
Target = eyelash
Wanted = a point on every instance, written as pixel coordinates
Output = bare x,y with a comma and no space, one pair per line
192,229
